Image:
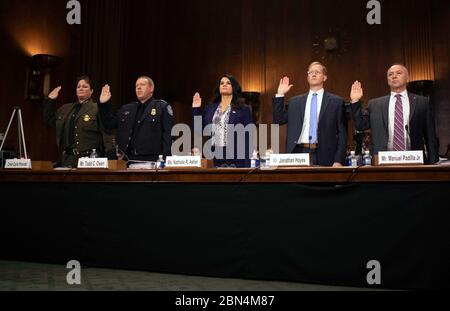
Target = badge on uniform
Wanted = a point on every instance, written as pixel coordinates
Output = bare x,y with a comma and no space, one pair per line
86,118
153,113
170,110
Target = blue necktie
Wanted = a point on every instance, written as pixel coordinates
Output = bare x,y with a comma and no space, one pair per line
313,120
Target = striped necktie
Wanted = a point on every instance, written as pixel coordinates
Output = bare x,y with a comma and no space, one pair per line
399,127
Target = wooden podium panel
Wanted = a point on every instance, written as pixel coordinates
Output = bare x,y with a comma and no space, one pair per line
119,173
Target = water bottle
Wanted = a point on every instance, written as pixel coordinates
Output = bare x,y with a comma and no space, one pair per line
262,162
267,161
160,164
352,160
93,154
196,152
255,160
267,158
367,158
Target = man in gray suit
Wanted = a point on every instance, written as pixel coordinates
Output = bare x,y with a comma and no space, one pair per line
399,121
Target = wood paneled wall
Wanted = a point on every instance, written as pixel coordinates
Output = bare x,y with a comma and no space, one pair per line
441,58
32,27
187,45
418,40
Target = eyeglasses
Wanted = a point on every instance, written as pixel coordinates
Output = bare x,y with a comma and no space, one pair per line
315,72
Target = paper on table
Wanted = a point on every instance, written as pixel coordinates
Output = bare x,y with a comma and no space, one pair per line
142,166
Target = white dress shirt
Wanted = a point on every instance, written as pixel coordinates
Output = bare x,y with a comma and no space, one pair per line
406,110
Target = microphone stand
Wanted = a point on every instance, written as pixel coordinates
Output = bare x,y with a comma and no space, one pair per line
408,138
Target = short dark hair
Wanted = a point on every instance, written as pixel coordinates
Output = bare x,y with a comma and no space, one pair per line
85,79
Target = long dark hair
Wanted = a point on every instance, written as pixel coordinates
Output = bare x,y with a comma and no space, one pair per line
238,101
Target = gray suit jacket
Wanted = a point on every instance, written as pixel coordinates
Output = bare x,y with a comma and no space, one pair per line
421,127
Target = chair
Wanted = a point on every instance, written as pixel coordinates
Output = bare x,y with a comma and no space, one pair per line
447,153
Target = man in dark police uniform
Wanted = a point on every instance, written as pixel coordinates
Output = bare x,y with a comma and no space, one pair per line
143,127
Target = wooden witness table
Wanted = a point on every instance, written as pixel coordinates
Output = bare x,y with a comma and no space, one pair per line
426,173
312,224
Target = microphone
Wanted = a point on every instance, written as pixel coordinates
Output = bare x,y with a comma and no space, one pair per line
408,138
115,146
310,150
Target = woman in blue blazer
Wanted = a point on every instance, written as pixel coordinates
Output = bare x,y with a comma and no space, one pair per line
227,108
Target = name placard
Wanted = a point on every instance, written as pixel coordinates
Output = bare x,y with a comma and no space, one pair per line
18,164
400,157
294,159
93,163
184,161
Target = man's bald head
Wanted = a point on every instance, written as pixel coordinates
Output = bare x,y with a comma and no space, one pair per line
398,78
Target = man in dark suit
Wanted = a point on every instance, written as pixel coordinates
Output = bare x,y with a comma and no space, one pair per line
399,121
143,127
316,120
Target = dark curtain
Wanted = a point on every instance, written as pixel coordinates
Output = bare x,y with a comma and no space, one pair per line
103,44
102,49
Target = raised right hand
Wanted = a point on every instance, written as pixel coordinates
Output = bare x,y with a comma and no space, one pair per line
196,101
284,86
55,93
105,96
356,92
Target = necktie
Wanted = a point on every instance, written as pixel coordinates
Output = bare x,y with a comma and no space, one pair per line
399,129
313,120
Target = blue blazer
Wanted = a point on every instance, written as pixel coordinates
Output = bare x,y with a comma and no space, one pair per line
241,115
331,131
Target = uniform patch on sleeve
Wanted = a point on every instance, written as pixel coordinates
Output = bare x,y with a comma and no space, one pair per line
170,110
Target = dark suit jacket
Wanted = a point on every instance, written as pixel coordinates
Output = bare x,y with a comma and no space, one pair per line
153,135
421,127
241,115
331,134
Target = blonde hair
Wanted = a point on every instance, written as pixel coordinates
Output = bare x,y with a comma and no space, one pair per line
149,80
324,69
